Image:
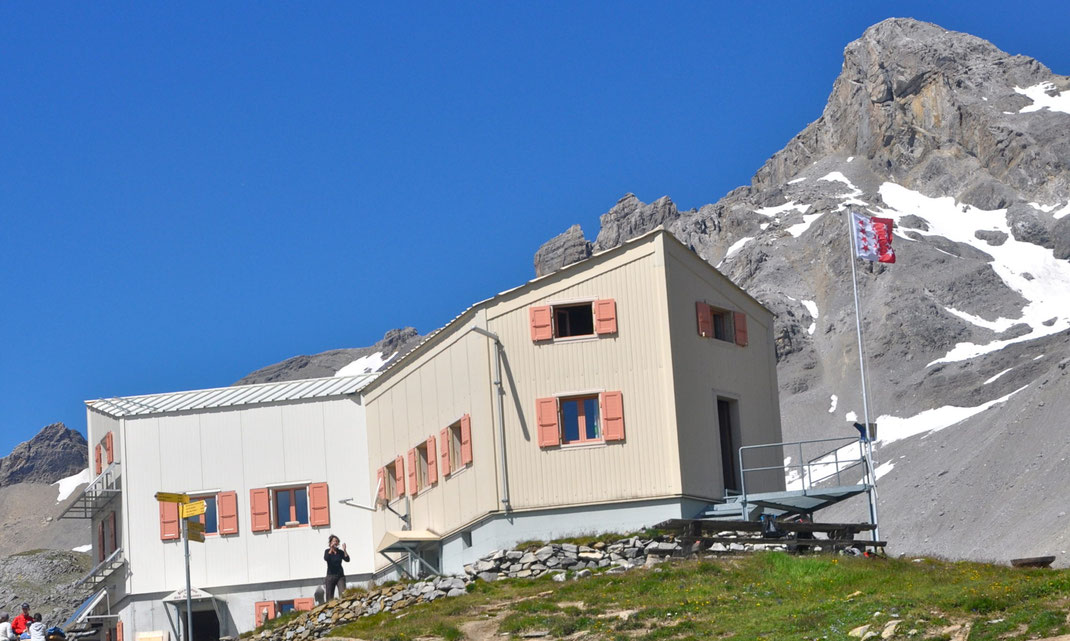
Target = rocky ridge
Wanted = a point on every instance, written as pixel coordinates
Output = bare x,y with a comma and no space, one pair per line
395,343
967,148
56,452
45,579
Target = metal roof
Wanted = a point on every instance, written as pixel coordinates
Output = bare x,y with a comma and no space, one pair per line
231,396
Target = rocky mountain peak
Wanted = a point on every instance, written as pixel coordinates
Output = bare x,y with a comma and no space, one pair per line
563,249
56,452
967,149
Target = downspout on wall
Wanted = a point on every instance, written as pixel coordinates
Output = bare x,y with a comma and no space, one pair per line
500,392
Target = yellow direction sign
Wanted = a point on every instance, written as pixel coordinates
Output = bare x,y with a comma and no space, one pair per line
195,508
171,497
195,536
195,526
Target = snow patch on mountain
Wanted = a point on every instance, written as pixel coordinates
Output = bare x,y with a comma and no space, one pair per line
894,428
996,377
851,197
884,468
736,246
1042,98
773,212
1030,270
833,400
797,229
364,365
68,485
811,307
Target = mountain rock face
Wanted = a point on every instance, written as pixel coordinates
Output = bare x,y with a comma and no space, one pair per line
562,250
967,149
55,453
394,343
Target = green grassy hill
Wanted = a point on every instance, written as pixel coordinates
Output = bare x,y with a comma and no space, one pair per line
772,596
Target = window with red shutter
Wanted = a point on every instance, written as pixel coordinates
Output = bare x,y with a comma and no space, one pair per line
319,506
399,475
99,461
119,631
169,521
740,321
613,416
414,484
466,439
444,451
541,318
605,316
302,605
260,510
227,503
432,460
380,484
265,611
546,416
705,319
109,447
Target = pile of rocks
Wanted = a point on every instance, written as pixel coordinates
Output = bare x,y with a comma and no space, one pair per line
559,560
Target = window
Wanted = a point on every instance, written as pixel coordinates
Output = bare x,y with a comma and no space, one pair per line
573,320
284,607
390,481
454,438
422,478
291,507
579,420
588,318
722,324
210,518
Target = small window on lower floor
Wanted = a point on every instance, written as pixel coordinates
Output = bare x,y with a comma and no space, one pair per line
291,507
579,420
282,607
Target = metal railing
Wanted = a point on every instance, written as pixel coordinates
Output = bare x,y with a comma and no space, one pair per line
821,462
98,493
101,571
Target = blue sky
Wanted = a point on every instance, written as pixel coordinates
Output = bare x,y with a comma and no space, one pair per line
191,191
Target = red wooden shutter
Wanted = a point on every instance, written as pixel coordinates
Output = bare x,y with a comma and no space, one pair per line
542,328
444,451
612,416
319,505
102,550
227,506
109,447
113,541
99,465
399,475
265,610
605,316
304,604
466,439
107,635
740,321
260,510
547,419
168,521
380,481
705,319
413,485
432,461
119,631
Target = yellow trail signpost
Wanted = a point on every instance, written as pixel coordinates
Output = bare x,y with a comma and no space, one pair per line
172,497
195,508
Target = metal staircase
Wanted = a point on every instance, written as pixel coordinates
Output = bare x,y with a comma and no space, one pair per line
813,482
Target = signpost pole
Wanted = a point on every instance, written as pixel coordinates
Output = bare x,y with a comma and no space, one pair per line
189,595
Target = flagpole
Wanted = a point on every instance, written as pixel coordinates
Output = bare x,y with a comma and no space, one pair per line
872,489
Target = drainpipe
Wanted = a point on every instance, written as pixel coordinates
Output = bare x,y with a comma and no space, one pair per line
500,392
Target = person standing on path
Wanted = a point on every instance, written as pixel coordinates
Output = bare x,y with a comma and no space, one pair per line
336,576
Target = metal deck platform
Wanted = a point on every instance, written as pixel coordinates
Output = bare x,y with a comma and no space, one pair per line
100,491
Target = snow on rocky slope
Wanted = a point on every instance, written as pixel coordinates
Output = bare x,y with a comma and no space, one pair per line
967,148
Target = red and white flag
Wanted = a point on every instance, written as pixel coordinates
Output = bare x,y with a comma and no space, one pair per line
873,238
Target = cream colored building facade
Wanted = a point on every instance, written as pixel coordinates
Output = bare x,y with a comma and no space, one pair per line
675,362
608,396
